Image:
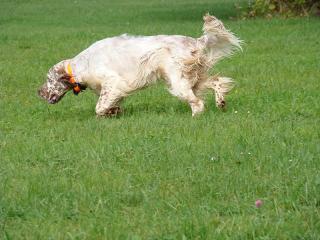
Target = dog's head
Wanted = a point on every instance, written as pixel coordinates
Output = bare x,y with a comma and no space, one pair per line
57,84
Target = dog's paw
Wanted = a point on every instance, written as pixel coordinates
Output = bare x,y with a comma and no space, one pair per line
220,100
112,112
197,108
221,104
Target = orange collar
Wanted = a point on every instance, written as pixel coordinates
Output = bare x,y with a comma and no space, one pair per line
76,86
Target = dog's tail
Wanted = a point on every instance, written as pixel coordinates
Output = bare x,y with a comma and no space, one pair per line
217,42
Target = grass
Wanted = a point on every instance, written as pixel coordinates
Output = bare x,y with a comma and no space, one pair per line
155,172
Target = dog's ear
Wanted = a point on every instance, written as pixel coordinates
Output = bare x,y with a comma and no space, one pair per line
60,68
65,78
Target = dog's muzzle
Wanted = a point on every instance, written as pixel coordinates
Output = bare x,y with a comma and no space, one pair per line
50,98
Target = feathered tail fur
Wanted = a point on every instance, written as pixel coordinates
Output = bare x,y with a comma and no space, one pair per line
218,42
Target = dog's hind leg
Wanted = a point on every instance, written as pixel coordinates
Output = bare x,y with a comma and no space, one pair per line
181,88
221,86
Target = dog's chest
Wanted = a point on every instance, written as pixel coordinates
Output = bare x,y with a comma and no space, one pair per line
94,84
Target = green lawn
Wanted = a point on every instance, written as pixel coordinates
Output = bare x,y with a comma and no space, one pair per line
155,172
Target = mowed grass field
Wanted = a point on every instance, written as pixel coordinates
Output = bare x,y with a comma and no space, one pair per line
155,172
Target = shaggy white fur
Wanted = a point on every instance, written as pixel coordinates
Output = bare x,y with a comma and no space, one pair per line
115,67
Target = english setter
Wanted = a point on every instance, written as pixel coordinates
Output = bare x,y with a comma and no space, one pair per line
117,66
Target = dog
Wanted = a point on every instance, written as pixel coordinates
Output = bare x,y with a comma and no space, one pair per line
116,67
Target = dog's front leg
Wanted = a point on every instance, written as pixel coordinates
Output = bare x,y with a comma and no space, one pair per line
107,103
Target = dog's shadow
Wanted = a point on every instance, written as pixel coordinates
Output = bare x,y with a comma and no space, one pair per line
168,107
131,107
134,109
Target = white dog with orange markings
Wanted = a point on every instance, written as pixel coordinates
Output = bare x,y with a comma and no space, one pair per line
116,67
